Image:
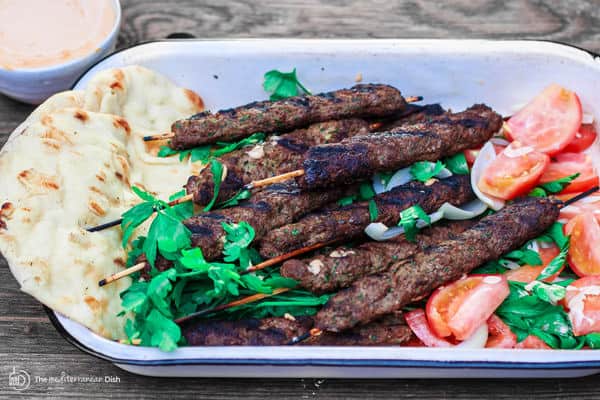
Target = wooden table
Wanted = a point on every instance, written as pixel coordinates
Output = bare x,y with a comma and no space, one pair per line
27,339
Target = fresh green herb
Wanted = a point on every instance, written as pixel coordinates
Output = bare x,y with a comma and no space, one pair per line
234,201
186,209
345,201
207,152
547,292
556,186
592,340
457,164
425,170
524,256
373,213
556,264
216,168
559,184
167,235
282,84
138,214
385,177
366,191
409,219
555,234
239,236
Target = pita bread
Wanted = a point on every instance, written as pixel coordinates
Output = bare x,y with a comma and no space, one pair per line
70,165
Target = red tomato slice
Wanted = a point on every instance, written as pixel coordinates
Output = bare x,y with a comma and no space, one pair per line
514,172
471,154
568,164
417,322
532,342
528,273
584,253
460,308
583,139
549,122
583,303
590,205
500,335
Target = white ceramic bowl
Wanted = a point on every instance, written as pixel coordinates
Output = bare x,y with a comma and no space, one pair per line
34,85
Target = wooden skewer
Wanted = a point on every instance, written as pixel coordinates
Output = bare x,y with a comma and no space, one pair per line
580,196
235,303
170,135
254,268
190,197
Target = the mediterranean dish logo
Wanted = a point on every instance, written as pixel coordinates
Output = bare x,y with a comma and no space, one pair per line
19,379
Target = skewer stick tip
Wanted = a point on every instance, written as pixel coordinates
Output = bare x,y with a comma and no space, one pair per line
413,99
160,136
102,282
580,196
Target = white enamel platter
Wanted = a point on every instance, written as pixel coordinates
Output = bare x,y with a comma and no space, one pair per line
455,73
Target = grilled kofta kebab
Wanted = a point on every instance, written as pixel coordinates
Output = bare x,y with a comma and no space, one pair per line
285,153
275,331
349,222
410,280
359,157
360,101
340,267
277,155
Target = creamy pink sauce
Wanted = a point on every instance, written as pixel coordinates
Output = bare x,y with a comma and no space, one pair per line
41,33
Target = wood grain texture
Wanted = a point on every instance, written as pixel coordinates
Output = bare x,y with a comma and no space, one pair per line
28,340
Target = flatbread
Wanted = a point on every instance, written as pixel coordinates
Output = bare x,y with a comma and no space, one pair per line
70,165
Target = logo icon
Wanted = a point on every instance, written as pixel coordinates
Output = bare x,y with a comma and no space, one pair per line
19,380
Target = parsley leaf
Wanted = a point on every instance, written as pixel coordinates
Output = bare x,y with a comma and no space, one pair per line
346,201
425,170
239,236
216,168
457,164
206,153
229,147
555,234
537,192
167,234
282,84
556,264
524,256
234,201
559,184
186,209
373,213
409,219
166,151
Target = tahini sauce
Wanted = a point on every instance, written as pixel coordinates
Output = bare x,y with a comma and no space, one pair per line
42,33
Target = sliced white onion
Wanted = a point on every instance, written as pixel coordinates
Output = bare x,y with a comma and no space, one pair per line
486,155
378,185
533,245
587,118
379,231
444,173
466,211
499,141
477,340
401,177
587,200
514,152
509,264
545,245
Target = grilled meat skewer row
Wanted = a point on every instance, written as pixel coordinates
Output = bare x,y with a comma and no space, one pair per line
413,279
325,273
360,101
359,157
285,153
389,330
350,221
276,156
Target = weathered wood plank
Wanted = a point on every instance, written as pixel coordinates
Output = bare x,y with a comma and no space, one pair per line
28,340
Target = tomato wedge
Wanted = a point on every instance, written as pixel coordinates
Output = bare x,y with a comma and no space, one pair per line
514,172
568,164
584,253
583,303
583,139
590,204
417,322
460,308
528,273
532,342
549,122
471,154
500,335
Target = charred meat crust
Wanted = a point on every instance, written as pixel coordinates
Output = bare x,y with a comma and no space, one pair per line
277,155
431,139
340,267
414,278
390,330
276,206
349,222
360,101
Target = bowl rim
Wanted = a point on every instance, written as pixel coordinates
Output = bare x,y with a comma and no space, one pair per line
101,48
